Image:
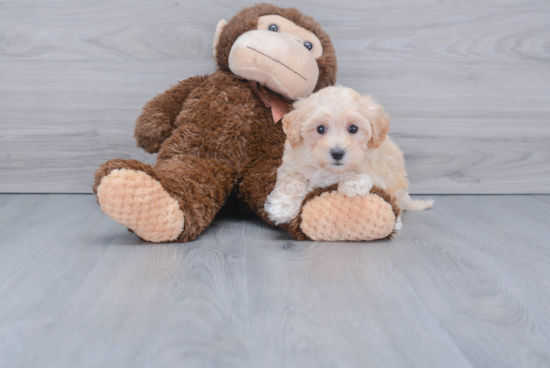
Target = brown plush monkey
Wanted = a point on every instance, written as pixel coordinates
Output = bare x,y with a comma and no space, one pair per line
215,136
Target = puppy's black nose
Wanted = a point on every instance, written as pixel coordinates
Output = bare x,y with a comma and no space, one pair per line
337,153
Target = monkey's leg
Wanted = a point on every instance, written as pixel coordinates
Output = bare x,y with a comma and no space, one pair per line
326,214
258,182
174,201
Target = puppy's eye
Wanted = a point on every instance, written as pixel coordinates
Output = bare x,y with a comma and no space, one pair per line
273,28
353,129
308,45
321,129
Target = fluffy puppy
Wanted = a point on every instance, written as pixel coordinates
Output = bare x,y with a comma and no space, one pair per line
338,136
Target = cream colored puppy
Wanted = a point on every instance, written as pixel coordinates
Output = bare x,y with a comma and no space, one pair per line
338,136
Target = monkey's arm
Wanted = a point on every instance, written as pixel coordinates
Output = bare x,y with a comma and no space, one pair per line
157,120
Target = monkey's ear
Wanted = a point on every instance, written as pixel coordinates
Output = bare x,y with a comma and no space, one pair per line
219,28
291,127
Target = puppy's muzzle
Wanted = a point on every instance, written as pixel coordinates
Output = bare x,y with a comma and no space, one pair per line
337,154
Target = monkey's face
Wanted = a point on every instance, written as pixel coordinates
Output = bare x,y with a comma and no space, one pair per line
280,55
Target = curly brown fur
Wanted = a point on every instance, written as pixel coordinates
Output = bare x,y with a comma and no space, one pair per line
157,121
388,198
223,136
215,137
391,200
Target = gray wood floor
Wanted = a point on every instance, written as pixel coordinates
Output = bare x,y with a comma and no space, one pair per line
465,284
466,83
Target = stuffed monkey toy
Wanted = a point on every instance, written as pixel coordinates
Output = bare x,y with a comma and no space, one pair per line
219,135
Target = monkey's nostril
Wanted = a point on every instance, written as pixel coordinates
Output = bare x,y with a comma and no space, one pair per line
337,153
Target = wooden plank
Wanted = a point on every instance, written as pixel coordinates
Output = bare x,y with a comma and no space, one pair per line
462,285
61,119
473,128
401,30
466,83
464,128
43,263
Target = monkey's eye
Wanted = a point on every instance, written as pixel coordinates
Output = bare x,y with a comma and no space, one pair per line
321,129
273,28
308,45
353,129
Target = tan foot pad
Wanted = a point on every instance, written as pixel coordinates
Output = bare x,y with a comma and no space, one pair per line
136,200
335,217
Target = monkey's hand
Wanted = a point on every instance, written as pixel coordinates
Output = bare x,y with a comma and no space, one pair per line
157,120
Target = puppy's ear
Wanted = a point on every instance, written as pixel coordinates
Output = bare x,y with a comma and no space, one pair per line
291,127
380,128
380,121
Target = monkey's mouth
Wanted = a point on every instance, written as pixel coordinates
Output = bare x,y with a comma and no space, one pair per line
277,61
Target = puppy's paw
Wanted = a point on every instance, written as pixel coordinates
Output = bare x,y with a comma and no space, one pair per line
281,211
355,186
284,203
398,224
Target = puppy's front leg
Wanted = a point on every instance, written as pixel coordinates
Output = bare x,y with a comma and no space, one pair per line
283,204
355,185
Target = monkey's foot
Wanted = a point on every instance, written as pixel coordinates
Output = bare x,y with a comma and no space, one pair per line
136,200
332,216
